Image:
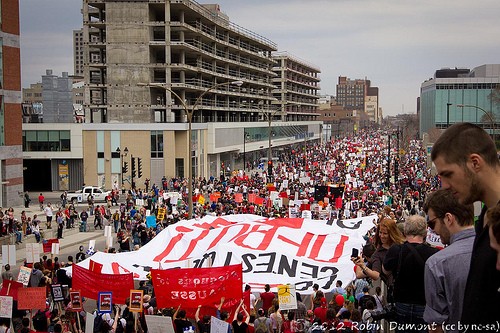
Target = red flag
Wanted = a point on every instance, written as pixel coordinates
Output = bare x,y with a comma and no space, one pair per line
91,283
194,286
251,197
47,244
238,197
95,266
259,201
9,288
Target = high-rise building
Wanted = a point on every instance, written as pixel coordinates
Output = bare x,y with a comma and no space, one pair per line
297,87
33,103
460,95
148,66
57,98
359,95
78,52
11,157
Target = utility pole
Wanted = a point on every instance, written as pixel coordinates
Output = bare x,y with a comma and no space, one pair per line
396,162
388,180
448,114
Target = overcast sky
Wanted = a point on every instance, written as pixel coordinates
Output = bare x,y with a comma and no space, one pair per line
397,44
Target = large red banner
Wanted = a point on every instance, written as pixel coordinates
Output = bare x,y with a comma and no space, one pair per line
91,283
190,287
31,298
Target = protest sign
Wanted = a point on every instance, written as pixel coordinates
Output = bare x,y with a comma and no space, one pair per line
136,300
24,275
159,324
104,301
9,255
31,298
6,306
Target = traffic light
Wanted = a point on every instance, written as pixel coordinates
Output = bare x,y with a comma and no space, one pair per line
125,167
133,168
269,167
139,167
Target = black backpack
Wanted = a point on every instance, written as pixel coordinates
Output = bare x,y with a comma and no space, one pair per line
100,325
40,322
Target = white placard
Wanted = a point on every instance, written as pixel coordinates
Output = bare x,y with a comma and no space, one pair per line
89,323
306,214
304,180
148,212
24,275
109,242
6,306
55,248
139,202
33,251
9,255
218,326
159,324
107,231
91,246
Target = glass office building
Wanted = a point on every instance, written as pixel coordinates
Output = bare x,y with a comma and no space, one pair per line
460,95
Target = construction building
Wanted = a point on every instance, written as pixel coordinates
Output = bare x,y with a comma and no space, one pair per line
148,66
296,87
11,155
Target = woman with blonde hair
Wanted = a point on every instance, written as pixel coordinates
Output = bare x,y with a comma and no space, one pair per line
386,235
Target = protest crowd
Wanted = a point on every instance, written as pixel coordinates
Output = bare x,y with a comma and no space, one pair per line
401,282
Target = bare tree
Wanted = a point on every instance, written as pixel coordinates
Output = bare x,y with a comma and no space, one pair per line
494,96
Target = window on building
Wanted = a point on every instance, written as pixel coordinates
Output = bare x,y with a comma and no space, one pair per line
46,141
156,144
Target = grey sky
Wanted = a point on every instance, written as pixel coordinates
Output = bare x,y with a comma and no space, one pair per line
397,44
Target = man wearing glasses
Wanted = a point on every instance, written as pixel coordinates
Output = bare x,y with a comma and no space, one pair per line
446,271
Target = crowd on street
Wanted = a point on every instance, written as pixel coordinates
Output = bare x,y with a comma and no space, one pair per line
402,283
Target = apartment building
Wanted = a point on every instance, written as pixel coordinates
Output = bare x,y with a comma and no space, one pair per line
158,72
11,157
296,87
78,52
358,94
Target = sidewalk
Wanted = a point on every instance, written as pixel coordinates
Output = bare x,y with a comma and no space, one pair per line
71,237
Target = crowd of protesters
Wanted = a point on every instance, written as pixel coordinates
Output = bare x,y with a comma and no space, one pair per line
428,288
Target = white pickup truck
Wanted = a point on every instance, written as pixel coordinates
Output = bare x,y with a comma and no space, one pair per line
82,195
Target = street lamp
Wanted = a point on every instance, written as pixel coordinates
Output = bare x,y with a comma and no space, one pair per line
487,114
123,166
246,136
189,114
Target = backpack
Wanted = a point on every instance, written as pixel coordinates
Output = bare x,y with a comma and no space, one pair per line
261,326
119,327
100,325
40,322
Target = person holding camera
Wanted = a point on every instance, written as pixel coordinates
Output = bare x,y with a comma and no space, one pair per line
407,262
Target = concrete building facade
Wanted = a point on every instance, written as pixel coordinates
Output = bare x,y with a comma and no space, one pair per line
359,95
78,52
57,95
442,98
145,63
296,87
11,158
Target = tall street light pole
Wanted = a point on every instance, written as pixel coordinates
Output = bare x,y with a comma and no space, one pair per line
123,166
246,136
448,114
486,113
189,114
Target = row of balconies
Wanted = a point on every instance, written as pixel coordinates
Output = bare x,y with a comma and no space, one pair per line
223,54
